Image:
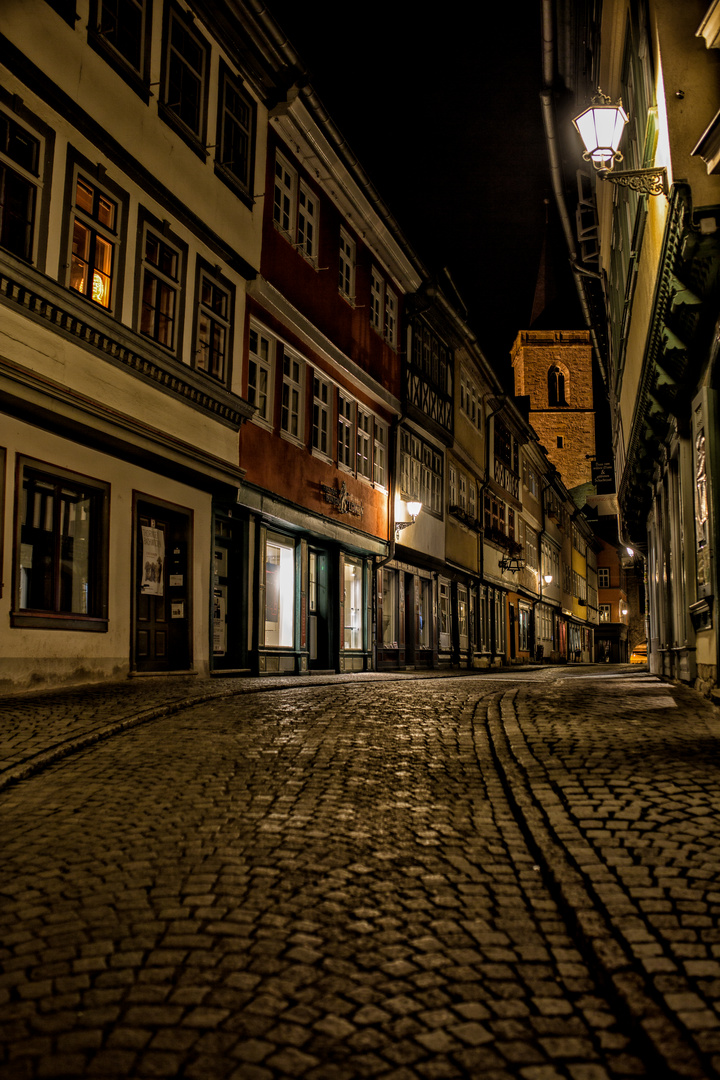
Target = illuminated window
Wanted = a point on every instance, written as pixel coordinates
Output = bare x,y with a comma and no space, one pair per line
353,604
94,238
389,608
604,610
214,311
425,614
463,616
445,614
61,554
160,292
279,591
260,373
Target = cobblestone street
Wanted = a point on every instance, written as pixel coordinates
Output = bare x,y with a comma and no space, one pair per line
513,874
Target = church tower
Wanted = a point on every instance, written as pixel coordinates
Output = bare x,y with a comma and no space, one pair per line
553,368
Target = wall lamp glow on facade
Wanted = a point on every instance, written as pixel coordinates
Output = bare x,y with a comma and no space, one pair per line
623,611
547,578
600,127
414,509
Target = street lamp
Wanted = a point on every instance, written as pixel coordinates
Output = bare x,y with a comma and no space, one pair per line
547,578
600,127
414,509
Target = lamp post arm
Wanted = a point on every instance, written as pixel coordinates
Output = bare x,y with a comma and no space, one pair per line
644,181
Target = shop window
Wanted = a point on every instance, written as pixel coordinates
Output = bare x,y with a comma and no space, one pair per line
61,550
425,614
279,591
389,609
523,628
94,240
261,359
20,156
235,150
213,336
445,614
353,604
463,617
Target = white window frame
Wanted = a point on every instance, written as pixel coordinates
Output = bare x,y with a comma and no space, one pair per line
262,364
390,321
377,297
292,402
470,399
346,407
462,491
308,223
380,444
346,282
322,408
364,444
604,613
452,486
603,574
472,499
284,197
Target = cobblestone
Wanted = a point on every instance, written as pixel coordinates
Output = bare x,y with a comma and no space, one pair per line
389,876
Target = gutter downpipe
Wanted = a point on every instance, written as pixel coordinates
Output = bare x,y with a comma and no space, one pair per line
556,175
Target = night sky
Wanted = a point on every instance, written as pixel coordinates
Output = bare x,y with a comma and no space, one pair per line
443,110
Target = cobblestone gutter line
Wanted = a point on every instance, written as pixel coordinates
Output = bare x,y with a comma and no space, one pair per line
609,942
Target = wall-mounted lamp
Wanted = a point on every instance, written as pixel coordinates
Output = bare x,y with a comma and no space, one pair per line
630,551
600,127
414,509
623,611
547,578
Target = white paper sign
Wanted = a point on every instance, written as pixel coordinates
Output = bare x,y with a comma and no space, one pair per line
153,561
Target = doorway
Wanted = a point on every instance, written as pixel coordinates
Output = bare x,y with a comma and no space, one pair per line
229,611
162,589
319,611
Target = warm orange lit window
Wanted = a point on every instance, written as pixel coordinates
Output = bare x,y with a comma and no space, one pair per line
93,243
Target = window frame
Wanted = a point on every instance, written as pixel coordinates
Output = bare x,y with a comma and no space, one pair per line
147,225
422,472
346,435
293,386
603,575
321,407
266,364
195,137
45,619
347,257
99,39
34,181
241,185
380,452
292,216
80,167
204,272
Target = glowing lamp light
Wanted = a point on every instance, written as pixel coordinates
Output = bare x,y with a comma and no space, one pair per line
630,551
547,578
600,127
413,507
623,611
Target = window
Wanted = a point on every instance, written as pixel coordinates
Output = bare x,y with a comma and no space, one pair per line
530,479
291,416
494,513
470,400
445,614
389,608
603,575
279,591
556,387
346,283
463,616
61,550
364,444
452,485
214,313
380,454
531,548
307,224
346,429
19,182
472,502
295,210
353,604
462,491
383,308
321,415
234,155
185,75
260,369
425,614
120,29
523,627
94,240
160,290
560,442
421,472
604,610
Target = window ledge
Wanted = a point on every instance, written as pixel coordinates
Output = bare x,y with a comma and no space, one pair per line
51,621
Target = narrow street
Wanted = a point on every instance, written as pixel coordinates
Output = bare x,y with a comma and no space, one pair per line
513,874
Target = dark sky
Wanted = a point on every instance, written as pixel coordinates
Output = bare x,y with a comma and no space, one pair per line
443,111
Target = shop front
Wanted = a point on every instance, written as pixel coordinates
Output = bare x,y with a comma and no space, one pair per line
405,617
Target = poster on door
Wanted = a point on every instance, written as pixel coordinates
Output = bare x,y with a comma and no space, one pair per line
153,561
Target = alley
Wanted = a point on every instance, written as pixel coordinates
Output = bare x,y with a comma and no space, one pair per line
503,875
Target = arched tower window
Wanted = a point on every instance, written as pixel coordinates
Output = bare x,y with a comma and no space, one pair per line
556,387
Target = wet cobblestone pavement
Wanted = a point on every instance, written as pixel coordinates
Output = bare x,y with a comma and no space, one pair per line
503,875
